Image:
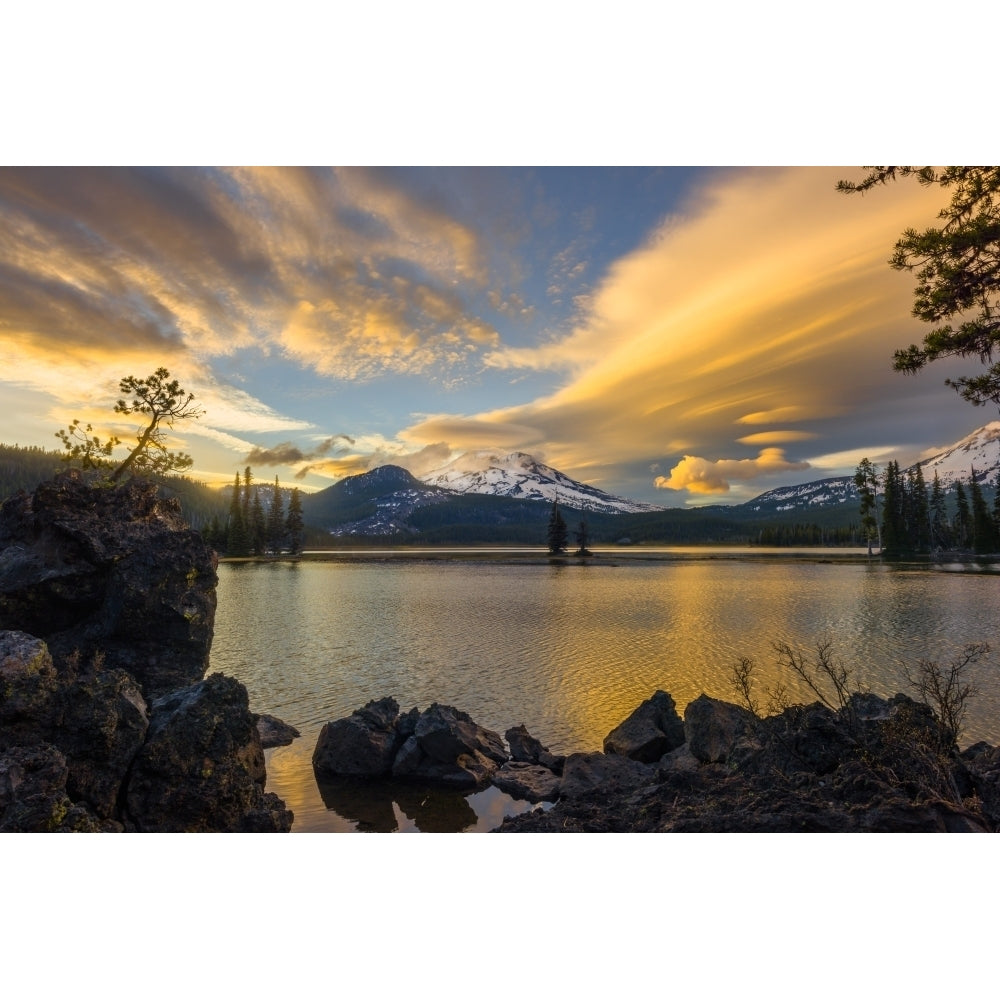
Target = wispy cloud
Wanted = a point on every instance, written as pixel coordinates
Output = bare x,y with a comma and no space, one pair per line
768,301
342,270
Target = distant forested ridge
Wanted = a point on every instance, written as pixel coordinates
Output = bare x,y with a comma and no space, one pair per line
24,468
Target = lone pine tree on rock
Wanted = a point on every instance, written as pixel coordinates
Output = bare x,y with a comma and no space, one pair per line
161,401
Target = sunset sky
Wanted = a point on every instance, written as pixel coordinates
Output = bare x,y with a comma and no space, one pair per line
677,335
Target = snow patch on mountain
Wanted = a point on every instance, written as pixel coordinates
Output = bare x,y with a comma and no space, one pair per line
979,450
523,477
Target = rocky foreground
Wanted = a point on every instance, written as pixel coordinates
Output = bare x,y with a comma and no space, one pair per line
875,765
107,721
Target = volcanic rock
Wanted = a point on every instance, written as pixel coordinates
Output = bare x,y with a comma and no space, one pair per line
584,773
713,728
652,730
362,745
524,747
531,782
201,767
274,732
110,570
33,796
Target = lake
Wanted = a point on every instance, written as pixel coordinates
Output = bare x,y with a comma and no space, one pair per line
567,649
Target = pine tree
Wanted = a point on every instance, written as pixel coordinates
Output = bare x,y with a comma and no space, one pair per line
258,524
955,264
920,532
557,533
940,529
962,525
294,523
582,537
237,543
275,521
894,538
983,536
247,483
866,480
214,534
996,505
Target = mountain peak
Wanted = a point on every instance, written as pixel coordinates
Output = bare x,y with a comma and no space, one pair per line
521,476
383,477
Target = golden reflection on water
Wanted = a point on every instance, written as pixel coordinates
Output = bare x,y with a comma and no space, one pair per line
567,650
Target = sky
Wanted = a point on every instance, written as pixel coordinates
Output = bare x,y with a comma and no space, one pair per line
677,335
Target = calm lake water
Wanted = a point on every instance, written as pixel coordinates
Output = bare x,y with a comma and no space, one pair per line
567,650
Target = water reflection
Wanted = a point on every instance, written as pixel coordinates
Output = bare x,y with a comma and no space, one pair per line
391,806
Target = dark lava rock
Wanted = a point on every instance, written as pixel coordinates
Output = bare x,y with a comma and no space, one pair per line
445,734
714,727
448,748
652,730
102,725
275,733
876,765
110,570
362,745
28,686
440,746
33,796
584,773
525,748
201,768
106,600
97,719
531,782
983,764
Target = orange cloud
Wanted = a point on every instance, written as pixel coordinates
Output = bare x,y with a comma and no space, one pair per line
700,475
777,437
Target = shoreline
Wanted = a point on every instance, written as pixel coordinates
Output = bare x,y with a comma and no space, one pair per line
955,562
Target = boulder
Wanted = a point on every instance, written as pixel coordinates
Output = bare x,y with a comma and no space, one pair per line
28,686
525,748
714,727
809,738
677,761
448,748
103,722
201,768
652,730
33,796
445,733
530,782
983,762
96,719
275,733
112,570
584,773
440,746
362,745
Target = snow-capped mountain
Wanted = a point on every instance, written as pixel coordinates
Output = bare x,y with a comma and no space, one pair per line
379,502
979,450
523,477
820,493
